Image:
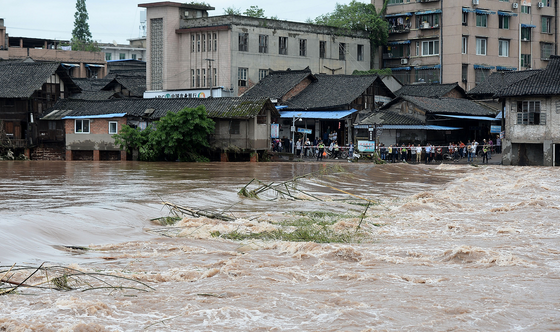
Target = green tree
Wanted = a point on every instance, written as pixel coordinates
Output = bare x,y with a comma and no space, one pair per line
232,11
182,135
359,16
81,36
254,11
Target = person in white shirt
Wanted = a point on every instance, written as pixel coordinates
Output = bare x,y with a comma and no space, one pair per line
418,154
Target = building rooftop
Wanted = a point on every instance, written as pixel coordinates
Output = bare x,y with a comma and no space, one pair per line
543,82
446,106
278,83
432,90
498,81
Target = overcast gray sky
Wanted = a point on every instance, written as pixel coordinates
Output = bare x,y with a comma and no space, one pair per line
119,20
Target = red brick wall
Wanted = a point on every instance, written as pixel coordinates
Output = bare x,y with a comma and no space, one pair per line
297,89
96,126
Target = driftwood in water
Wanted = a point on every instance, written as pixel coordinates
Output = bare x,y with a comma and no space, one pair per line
197,213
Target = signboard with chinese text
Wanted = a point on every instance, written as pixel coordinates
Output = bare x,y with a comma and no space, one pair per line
274,130
366,146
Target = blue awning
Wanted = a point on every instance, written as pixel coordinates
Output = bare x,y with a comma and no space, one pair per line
469,117
100,116
437,11
428,67
410,127
484,12
317,114
399,68
93,65
528,26
281,107
500,13
502,68
69,65
399,14
399,42
483,67
468,10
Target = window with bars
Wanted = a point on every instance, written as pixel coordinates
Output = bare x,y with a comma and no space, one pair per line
198,43
263,44
427,21
525,33
529,113
283,45
322,49
203,42
242,76
341,51
480,75
547,49
243,42
465,73
215,38
198,78
204,77
193,81
303,47
546,22
193,43
526,60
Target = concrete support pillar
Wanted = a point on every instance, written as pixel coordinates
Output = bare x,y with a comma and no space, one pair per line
68,155
224,157
123,155
27,153
95,155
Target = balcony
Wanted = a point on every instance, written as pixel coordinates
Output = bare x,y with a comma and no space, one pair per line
399,29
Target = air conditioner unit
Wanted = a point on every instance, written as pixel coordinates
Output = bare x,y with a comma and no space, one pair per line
404,61
540,5
515,5
475,2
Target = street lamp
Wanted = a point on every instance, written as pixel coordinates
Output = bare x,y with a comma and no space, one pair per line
294,130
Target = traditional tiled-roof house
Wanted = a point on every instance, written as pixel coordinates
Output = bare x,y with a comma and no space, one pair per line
532,118
242,124
27,89
432,90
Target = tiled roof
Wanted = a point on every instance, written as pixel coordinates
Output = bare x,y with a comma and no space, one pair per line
278,83
21,79
225,107
428,89
498,81
545,82
386,117
446,106
135,83
331,91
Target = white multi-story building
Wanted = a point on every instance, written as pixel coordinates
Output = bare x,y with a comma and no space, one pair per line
135,50
187,49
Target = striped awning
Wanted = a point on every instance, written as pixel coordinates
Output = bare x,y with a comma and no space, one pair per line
399,42
399,68
399,14
484,12
437,11
483,67
428,67
500,13
468,10
528,26
502,68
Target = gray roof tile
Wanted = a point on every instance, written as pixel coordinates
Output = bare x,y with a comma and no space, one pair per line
22,79
428,89
278,83
498,81
446,106
544,82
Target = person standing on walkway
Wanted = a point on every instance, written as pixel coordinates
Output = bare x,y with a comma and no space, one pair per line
485,154
321,149
298,147
418,154
404,153
498,144
428,152
469,153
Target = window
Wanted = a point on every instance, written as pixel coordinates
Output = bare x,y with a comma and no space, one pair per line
193,83
81,126
209,42
234,127
303,47
215,76
430,47
203,43
341,51
243,42
395,1
525,34
546,21
480,46
427,75
52,125
108,56
133,56
398,51
263,73
215,38
504,47
529,113
464,48
417,48
283,45
402,75
526,60
360,53
203,77
480,75
322,49
465,73
525,9
242,76
427,21
504,22
546,50
465,19
122,56
113,127
481,20
192,43
263,44
198,78
198,43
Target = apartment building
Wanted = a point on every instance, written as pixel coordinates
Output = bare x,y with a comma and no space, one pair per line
464,41
188,49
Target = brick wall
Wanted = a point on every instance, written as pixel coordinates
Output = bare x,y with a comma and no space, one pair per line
297,89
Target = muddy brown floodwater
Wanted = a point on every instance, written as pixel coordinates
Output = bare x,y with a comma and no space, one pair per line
447,247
